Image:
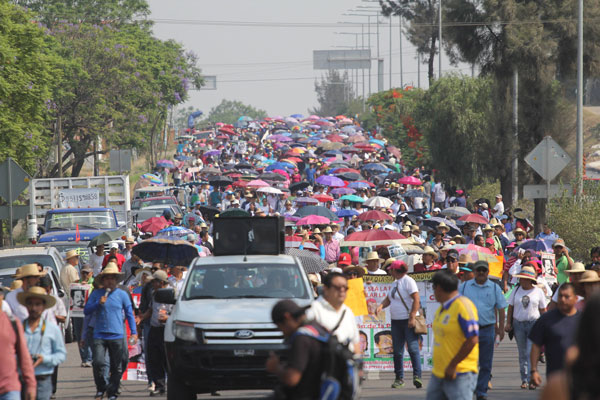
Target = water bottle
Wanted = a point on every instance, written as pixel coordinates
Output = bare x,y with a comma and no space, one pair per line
497,342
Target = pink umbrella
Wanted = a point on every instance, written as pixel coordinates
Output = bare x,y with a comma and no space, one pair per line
474,218
257,183
281,172
313,220
409,180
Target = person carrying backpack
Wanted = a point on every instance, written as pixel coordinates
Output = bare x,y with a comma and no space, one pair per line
318,366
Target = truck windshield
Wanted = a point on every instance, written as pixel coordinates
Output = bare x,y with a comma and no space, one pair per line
85,220
137,204
18,260
246,281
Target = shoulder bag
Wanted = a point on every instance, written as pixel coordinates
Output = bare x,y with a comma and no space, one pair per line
420,323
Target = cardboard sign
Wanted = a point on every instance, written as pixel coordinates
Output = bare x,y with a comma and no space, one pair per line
78,297
549,267
355,297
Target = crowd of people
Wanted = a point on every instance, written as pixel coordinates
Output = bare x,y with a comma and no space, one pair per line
334,184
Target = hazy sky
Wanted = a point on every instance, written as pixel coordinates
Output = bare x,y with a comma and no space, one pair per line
261,50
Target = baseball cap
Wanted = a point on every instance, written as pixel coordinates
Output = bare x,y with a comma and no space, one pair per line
480,264
114,246
452,253
283,306
397,264
345,259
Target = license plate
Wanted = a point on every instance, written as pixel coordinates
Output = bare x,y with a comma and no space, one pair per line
243,353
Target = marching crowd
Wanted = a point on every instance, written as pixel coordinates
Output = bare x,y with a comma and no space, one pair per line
335,185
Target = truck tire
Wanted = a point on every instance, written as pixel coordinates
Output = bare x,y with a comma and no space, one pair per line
69,333
177,390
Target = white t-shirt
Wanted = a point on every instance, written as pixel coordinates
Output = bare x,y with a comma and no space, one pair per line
322,312
377,272
404,287
555,295
18,310
6,308
57,309
439,195
527,303
96,263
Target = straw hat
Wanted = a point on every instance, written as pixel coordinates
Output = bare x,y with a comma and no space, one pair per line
140,270
443,226
429,250
519,230
388,262
459,239
327,230
160,276
528,272
577,268
405,229
465,258
589,277
488,227
39,293
360,271
111,269
27,270
16,284
373,256
316,231
130,240
71,254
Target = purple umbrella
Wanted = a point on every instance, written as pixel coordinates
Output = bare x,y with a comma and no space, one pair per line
342,191
329,180
213,153
280,138
314,126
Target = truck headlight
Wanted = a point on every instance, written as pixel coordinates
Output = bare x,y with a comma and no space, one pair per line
184,331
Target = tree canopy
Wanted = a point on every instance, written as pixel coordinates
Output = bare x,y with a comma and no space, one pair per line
334,94
228,112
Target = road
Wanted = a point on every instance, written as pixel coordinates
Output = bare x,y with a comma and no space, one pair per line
76,382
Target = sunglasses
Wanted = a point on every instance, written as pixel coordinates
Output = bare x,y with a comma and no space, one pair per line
339,288
481,270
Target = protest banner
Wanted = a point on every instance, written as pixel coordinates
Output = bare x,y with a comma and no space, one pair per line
78,297
355,298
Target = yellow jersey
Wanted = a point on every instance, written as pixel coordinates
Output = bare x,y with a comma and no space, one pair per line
455,321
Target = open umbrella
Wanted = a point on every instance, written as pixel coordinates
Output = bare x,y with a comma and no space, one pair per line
474,218
433,222
295,241
375,167
271,176
298,186
409,180
388,193
455,212
323,198
219,180
235,212
329,180
536,245
175,231
342,191
257,183
347,213
358,185
165,164
269,190
105,237
153,225
415,193
378,201
306,200
312,263
353,198
349,176
374,215
313,220
373,237
166,250
209,211
316,210
154,179
210,170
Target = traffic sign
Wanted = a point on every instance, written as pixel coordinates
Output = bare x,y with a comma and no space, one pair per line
541,191
120,160
13,180
548,159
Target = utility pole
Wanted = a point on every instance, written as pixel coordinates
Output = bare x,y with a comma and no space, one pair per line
390,51
401,69
440,37
515,152
59,146
580,171
419,70
362,29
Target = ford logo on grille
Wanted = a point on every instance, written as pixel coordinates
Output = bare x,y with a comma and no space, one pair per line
244,334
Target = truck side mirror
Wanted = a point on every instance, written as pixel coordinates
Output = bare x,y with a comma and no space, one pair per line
165,296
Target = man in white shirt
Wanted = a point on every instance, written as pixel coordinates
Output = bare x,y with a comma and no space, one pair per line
498,209
96,259
30,275
439,195
329,310
373,262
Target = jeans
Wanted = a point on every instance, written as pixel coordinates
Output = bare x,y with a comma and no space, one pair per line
44,387
85,352
14,395
522,329
157,357
487,335
114,349
402,334
460,388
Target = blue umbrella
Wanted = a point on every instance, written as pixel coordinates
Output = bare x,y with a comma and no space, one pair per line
376,141
358,185
280,165
297,116
175,231
352,197
347,213
375,167
245,118
536,245
332,153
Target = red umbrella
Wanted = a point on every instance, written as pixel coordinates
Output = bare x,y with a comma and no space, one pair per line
342,170
240,183
228,131
335,138
313,220
323,198
373,237
375,216
410,180
154,225
294,241
474,218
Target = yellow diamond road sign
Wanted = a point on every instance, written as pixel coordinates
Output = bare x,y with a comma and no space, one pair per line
548,159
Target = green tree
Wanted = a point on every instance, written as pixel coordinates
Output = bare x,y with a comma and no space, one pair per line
455,115
422,30
229,111
180,121
29,71
334,94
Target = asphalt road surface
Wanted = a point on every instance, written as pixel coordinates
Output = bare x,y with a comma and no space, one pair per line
75,382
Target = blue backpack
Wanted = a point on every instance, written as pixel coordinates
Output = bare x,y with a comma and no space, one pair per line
340,379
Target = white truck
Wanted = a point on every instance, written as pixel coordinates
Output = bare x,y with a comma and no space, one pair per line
75,193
